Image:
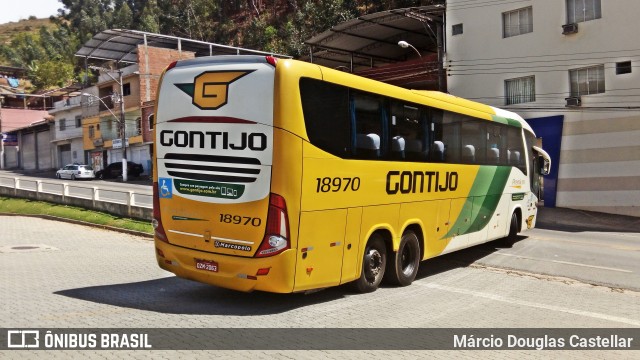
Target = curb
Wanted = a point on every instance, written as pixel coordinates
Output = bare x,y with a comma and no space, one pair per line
145,235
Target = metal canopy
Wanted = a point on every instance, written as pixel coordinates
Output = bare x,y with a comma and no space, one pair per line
372,40
121,46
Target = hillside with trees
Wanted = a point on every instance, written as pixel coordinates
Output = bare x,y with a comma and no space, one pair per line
279,26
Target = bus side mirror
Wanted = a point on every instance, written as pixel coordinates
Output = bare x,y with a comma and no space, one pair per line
545,165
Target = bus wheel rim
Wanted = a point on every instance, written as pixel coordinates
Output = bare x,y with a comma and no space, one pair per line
406,260
373,261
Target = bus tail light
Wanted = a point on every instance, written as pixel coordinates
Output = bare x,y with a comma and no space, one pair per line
171,66
276,235
158,229
273,61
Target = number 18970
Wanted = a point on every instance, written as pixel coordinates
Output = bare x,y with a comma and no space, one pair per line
336,184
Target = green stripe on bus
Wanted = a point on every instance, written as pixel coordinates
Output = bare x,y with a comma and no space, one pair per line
491,201
500,119
515,123
507,121
491,180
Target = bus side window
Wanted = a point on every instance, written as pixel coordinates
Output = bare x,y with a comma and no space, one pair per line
515,151
496,144
436,145
474,140
326,116
451,137
368,118
408,132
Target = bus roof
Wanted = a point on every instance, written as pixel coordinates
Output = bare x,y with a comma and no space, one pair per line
501,114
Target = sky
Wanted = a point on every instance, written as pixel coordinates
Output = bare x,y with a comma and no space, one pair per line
15,10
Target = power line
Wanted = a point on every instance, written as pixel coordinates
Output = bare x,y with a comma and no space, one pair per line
477,4
545,61
546,55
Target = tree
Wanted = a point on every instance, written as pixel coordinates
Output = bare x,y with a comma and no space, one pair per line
122,16
150,21
50,73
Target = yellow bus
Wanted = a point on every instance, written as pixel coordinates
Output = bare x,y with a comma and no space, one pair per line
285,176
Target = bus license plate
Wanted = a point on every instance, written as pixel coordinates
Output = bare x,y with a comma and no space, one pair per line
206,265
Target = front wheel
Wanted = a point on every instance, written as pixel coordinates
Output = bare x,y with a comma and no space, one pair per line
373,265
513,227
403,264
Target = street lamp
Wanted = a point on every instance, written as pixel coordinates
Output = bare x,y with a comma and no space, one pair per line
403,44
122,119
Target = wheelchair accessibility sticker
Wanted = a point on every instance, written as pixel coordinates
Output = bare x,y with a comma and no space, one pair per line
165,188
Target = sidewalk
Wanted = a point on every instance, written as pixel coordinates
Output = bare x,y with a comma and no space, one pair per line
582,220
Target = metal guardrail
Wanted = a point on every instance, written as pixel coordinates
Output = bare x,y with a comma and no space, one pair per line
136,203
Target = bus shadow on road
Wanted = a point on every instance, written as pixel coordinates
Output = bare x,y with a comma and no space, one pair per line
463,258
173,295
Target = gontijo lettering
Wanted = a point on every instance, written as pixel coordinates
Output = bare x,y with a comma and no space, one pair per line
418,181
213,140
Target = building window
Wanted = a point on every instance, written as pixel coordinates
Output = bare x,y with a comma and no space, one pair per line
78,121
456,29
623,68
586,81
139,126
151,119
520,90
63,124
517,22
104,94
583,10
92,132
126,89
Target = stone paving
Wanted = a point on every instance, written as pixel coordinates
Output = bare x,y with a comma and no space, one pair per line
69,276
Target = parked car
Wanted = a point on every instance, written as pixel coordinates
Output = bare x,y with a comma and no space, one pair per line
114,170
76,171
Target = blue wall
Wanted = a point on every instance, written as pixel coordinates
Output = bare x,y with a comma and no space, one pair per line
549,128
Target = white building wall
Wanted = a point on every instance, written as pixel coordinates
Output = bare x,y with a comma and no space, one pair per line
72,134
600,152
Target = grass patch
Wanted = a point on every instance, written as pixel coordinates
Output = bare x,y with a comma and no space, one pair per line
32,207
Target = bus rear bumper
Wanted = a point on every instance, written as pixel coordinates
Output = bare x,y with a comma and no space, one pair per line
231,272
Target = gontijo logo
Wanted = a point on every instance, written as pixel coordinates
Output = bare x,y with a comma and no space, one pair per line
210,89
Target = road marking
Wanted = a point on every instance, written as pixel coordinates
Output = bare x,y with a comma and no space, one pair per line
565,262
591,314
617,247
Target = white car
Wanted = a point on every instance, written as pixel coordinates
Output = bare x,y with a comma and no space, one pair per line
76,171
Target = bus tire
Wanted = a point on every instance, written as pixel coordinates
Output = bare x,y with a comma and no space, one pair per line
374,263
514,228
402,267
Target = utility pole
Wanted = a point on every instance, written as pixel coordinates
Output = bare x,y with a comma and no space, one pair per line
123,128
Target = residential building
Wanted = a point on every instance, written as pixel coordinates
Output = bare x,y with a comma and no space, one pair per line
570,68
67,132
101,124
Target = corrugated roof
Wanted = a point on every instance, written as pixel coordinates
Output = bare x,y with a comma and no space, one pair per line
372,40
121,45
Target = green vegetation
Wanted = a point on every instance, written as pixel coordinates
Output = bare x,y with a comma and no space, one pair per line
279,26
31,207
